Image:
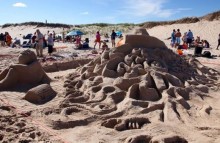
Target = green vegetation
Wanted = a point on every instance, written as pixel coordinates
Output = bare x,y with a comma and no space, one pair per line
121,26
38,24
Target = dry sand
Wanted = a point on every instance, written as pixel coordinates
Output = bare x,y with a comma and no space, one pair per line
93,108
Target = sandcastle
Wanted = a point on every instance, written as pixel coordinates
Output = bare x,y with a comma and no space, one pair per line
132,86
28,71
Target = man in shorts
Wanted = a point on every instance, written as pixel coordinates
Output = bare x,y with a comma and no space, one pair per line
113,36
189,38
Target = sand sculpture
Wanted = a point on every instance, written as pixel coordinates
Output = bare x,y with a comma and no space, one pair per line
135,86
28,71
141,31
40,94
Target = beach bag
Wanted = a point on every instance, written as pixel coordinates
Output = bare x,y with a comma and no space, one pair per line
207,54
198,51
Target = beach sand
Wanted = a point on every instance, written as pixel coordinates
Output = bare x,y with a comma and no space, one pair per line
99,111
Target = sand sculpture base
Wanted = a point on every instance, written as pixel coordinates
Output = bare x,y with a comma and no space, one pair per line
133,87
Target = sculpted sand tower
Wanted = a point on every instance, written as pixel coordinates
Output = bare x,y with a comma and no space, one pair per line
136,87
28,71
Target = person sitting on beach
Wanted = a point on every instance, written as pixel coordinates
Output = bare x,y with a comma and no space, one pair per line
78,42
198,40
16,43
183,46
104,47
206,44
179,50
98,39
106,38
86,43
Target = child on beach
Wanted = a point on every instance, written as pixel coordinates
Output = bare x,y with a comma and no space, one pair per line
98,39
104,47
78,42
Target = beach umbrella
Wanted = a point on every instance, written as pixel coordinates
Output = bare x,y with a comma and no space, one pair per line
118,33
75,33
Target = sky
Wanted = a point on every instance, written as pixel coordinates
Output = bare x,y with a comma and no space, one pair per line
102,11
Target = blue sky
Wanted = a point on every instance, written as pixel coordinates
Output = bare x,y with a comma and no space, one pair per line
105,11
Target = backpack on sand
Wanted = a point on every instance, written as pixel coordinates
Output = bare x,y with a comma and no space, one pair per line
207,54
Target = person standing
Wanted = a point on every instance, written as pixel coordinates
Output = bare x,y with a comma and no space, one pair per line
40,43
218,41
2,40
189,38
33,40
113,36
98,39
173,38
63,35
50,43
178,36
184,38
8,39
54,36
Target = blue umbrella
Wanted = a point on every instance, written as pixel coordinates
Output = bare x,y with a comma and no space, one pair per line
118,33
75,33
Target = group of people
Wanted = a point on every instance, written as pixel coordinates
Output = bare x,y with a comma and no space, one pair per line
104,45
5,39
187,38
39,42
